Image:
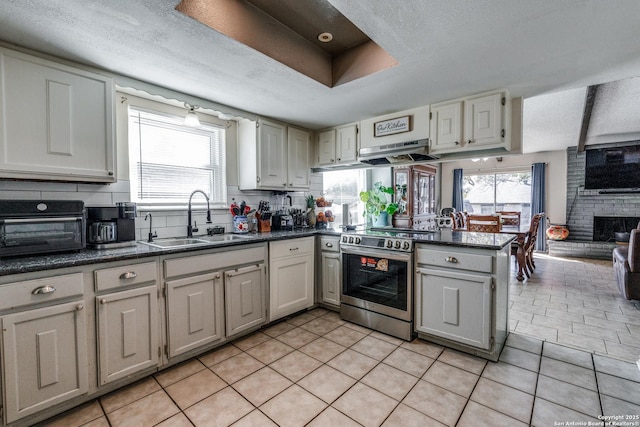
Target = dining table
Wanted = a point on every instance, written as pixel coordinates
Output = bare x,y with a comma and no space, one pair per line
521,235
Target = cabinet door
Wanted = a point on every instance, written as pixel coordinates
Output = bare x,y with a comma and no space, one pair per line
346,148
483,120
291,285
57,121
299,151
45,358
446,127
272,156
194,312
331,278
127,332
454,305
245,304
327,147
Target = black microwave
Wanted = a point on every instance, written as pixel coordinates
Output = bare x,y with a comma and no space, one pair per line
30,227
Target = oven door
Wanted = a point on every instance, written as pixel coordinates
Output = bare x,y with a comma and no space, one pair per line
379,281
25,236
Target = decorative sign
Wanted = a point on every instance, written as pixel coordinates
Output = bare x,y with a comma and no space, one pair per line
391,127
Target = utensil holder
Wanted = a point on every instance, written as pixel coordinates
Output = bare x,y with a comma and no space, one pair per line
240,224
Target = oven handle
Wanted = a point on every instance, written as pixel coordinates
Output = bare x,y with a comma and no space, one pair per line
32,220
398,256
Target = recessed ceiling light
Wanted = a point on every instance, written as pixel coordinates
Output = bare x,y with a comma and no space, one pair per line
325,37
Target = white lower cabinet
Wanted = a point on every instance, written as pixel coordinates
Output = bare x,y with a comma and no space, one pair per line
127,332
44,358
244,298
195,310
454,305
330,270
291,275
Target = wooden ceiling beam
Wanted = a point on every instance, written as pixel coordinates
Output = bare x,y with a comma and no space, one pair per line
586,116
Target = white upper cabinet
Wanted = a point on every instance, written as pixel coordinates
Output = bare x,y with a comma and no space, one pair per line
299,153
347,144
446,124
484,118
57,121
338,146
272,156
479,122
327,147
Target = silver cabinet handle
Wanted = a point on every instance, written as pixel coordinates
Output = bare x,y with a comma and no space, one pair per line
293,249
217,276
451,259
79,307
128,275
329,244
103,301
43,290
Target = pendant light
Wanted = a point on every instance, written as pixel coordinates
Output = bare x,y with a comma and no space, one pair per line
191,119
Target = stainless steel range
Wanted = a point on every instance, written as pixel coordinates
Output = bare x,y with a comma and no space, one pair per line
377,281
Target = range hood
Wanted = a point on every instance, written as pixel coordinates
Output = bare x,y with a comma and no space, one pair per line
398,153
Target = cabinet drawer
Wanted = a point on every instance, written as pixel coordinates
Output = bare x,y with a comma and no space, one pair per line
329,244
127,275
287,248
40,290
455,260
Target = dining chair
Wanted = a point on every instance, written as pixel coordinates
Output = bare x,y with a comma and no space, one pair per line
530,243
510,218
483,223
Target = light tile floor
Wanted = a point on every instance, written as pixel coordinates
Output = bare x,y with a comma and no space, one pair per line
317,370
576,302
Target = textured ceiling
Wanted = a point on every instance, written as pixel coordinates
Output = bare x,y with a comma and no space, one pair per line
445,49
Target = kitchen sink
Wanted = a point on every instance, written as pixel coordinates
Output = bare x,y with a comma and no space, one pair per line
176,242
181,242
218,238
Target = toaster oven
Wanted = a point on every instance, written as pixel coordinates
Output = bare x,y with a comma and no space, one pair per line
30,227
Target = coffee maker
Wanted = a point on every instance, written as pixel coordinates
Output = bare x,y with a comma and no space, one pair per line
111,226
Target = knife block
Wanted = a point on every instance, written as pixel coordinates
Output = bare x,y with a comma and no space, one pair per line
264,225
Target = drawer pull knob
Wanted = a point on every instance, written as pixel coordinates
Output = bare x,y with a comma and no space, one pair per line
128,275
43,290
103,301
329,244
451,259
218,276
79,307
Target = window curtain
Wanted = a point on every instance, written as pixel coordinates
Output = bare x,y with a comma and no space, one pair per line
457,203
537,202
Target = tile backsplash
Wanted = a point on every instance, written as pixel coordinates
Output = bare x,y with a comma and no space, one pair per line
171,223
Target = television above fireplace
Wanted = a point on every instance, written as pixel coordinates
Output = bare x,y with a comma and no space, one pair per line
613,168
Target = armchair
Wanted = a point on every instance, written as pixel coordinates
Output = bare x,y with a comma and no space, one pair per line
626,267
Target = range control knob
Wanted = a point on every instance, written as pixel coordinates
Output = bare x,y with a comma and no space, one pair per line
358,240
389,244
397,244
344,239
350,239
406,246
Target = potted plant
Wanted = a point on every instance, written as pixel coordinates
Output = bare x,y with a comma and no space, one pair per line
377,204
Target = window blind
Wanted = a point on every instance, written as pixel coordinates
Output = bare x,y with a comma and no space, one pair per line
169,160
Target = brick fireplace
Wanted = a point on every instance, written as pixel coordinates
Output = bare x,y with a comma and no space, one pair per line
584,206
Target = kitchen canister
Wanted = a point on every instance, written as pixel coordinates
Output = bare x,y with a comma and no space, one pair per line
240,224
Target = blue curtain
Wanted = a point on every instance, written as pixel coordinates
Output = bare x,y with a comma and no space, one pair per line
457,202
537,201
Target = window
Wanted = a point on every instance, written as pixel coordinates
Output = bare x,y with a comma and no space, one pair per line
169,160
344,187
488,193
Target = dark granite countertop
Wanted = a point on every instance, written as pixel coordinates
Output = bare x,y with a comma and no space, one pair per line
466,239
28,264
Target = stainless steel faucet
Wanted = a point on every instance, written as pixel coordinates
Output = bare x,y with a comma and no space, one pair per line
191,229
